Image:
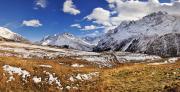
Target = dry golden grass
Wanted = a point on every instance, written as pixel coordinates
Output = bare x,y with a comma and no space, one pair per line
141,77
123,78
62,71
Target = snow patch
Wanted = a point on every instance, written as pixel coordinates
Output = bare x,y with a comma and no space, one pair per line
77,65
172,60
52,79
71,79
36,79
61,63
140,57
160,63
68,87
89,76
15,70
11,78
169,61
47,66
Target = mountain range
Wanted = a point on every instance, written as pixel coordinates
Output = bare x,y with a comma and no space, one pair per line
156,34
67,40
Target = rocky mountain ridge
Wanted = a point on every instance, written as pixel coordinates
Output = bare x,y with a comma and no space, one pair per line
140,35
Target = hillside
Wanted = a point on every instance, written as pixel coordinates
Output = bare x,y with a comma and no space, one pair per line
67,75
138,36
8,35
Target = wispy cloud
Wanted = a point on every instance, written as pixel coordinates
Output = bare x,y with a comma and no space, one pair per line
40,4
92,27
76,25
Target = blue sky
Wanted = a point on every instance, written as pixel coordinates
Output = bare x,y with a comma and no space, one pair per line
52,17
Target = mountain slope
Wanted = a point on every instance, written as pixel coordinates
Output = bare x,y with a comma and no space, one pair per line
166,45
92,40
8,35
137,36
67,40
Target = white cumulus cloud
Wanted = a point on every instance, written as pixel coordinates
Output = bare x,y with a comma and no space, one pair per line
41,3
100,16
70,8
127,10
32,23
134,9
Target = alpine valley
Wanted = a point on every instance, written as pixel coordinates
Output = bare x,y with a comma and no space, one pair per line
136,56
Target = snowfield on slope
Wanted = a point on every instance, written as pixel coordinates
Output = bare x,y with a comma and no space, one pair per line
156,34
44,52
169,61
68,40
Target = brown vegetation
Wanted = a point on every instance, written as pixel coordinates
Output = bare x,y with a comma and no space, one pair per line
124,78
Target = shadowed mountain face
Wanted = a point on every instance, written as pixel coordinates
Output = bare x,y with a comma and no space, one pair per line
153,34
167,45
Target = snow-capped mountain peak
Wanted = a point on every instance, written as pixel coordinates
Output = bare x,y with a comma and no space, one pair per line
68,40
136,36
8,34
68,34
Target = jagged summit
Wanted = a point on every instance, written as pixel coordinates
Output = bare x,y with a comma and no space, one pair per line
67,34
137,36
156,14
